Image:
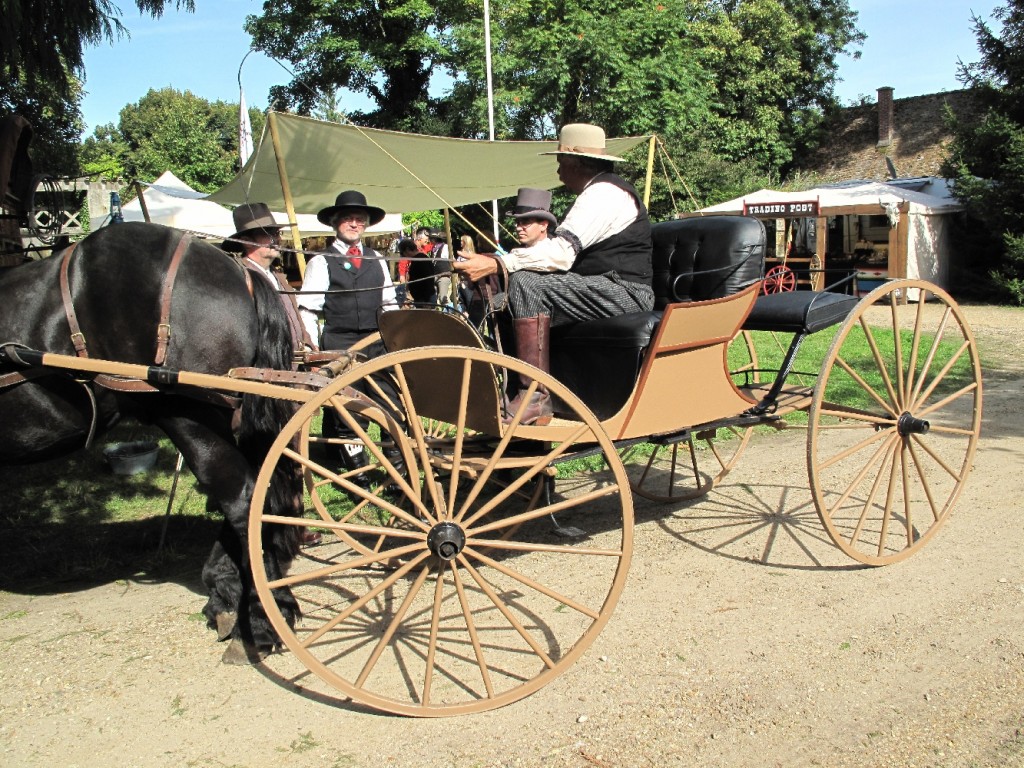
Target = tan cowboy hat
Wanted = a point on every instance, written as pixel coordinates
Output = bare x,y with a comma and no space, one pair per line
351,199
584,140
533,204
249,218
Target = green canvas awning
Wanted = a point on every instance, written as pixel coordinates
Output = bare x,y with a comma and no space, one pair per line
398,172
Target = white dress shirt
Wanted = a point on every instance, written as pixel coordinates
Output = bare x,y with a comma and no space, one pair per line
317,278
601,211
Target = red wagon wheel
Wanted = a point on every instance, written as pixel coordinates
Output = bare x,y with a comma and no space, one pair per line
779,279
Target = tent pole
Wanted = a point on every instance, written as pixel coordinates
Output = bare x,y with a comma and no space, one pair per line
650,172
142,201
286,190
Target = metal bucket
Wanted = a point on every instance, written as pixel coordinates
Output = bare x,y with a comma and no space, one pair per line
131,458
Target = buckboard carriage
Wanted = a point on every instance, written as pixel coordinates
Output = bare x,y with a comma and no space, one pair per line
472,561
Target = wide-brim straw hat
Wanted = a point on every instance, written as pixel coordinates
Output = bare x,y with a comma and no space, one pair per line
250,218
533,204
583,140
351,199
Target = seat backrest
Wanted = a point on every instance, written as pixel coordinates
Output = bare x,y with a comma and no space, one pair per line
707,257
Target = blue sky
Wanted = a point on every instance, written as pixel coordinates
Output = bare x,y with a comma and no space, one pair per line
912,45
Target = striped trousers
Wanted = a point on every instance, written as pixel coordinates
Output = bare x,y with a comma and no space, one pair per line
567,297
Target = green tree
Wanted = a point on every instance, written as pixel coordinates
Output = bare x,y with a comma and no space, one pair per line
986,156
41,41
171,130
56,122
772,66
386,50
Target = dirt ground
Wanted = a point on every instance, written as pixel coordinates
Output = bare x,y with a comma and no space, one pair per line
743,638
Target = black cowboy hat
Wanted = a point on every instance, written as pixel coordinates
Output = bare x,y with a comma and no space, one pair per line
249,218
351,199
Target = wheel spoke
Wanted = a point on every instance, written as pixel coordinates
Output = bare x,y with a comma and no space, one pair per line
500,605
349,565
923,477
474,637
396,620
942,374
879,364
535,585
935,346
874,437
868,389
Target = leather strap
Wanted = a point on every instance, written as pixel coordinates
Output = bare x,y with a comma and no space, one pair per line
77,337
269,375
163,330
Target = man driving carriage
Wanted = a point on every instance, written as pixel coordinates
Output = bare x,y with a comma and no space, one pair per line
596,264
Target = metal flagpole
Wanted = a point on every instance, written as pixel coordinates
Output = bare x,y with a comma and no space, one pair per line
490,102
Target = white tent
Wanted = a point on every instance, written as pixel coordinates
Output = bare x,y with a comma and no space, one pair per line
172,202
918,239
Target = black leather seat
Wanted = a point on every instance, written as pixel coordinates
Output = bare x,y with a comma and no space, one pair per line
694,260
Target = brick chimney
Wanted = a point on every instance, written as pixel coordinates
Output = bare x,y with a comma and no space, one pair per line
885,116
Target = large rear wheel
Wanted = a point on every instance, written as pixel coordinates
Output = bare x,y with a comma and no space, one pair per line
894,422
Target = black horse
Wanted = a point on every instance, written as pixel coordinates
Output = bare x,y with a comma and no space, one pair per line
218,320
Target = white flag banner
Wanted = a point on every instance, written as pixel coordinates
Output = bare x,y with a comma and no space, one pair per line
244,129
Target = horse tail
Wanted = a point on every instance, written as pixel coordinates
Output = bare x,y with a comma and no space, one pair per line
263,418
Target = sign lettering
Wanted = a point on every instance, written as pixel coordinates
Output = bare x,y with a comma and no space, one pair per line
781,210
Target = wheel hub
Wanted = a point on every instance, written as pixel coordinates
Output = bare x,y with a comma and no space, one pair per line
446,540
911,425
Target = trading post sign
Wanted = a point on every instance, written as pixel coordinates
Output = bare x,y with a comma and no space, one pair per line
782,210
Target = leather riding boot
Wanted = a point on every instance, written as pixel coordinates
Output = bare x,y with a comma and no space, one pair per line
533,337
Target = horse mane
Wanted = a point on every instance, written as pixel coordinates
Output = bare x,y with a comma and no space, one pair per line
263,418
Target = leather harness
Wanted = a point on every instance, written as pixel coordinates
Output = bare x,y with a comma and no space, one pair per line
163,337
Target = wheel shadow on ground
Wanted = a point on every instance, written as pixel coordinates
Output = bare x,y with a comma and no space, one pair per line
772,525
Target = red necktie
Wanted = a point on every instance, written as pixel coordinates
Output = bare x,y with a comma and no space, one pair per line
355,256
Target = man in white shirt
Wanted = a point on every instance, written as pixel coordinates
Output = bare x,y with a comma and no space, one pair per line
350,282
596,264
347,285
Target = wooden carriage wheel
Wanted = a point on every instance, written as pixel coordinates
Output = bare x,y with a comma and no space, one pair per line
463,595
692,466
894,422
779,280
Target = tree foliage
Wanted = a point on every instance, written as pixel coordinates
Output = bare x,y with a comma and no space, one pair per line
56,122
386,50
986,157
171,130
41,41
732,87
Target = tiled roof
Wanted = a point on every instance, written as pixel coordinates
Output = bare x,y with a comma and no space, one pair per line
920,137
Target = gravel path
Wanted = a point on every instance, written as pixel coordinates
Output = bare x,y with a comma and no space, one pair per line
743,638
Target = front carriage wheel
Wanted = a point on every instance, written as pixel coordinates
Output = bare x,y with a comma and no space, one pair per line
478,568
894,422
691,464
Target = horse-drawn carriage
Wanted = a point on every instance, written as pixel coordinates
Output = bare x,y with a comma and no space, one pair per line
475,558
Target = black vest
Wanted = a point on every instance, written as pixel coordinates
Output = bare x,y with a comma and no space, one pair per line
628,253
355,312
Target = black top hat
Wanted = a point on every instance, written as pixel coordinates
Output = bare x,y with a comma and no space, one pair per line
248,218
351,199
533,204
